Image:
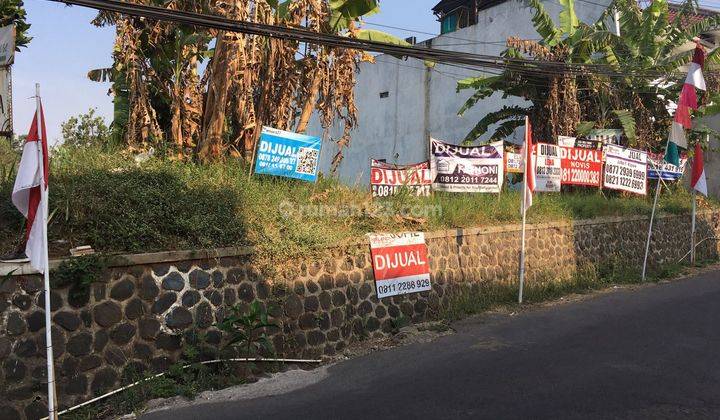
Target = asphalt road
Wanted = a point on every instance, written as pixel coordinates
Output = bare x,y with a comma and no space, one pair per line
647,353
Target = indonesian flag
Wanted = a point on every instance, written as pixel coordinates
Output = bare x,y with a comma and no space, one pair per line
26,195
688,100
528,158
699,181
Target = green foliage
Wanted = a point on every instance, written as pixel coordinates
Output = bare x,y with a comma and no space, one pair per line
245,329
9,158
647,50
79,273
12,12
109,201
398,323
346,11
627,121
85,130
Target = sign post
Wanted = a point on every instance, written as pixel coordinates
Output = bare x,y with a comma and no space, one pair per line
652,220
692,228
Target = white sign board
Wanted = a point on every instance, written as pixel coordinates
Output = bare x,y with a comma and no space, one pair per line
548,168
7,45
400,263
513,163
566,141
625,169
466,168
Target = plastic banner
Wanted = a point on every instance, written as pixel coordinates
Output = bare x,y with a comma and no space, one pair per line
667,171
287,154
400,263
581,166
387,179
625,169
466,168
548,170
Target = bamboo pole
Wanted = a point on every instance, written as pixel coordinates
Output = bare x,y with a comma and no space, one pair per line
44,194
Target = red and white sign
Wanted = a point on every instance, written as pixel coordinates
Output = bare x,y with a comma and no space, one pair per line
400,263
388,179
581,166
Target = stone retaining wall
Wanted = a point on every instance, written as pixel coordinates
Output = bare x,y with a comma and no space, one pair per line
140,316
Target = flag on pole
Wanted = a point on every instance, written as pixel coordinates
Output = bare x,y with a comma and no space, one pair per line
529,158
699,180
688,100
27,196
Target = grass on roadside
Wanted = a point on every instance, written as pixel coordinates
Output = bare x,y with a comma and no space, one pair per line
115,204
588,278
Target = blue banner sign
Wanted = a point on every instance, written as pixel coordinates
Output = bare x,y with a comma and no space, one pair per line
667,171
287,154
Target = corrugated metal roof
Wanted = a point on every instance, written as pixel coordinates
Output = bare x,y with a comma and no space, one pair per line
699,16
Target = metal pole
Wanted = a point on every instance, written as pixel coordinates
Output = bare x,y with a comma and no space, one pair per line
44,195
692,229
522,250
524,213
652,219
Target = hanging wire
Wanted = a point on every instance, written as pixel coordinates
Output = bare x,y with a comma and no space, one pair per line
477,61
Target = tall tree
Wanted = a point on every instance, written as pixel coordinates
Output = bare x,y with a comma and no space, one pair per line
162,98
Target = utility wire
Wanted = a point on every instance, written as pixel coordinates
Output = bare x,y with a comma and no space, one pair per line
477,61
437,36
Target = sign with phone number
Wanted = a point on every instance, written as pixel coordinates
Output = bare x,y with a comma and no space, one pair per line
400,263
625,169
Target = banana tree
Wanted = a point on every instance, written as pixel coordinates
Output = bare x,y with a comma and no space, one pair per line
564,104
250,81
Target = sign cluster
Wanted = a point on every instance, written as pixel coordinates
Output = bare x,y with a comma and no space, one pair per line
593,161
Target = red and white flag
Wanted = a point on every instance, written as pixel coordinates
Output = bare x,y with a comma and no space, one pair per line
688,96
27,196
529,158
699,180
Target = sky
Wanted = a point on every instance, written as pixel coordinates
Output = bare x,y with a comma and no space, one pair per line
66,46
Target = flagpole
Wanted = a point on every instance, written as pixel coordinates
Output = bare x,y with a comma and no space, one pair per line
44,194
692,229
649,235
524,213
522,248
652,218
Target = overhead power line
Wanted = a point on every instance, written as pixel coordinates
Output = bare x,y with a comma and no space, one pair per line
477,61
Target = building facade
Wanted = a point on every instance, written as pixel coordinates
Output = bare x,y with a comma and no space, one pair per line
402,103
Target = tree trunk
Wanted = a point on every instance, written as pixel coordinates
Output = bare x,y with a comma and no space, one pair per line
223,68
176,122
310,102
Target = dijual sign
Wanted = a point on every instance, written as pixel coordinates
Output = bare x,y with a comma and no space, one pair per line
400,263
467,168
581,166
548,169
287,154
387,179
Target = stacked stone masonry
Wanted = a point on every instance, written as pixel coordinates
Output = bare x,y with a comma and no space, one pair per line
139,317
